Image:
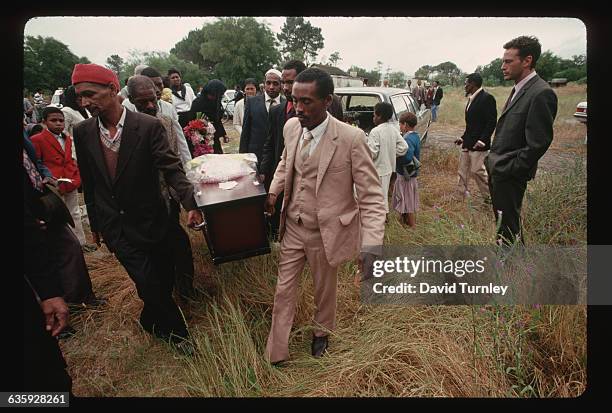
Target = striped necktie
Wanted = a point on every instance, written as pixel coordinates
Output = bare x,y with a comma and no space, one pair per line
305,151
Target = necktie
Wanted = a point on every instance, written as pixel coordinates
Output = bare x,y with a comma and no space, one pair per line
304,152
509,99
290,110
272,103
33,173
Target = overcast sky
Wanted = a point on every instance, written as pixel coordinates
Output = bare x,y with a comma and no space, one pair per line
401,43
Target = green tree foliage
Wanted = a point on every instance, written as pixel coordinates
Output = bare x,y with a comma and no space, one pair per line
300,40
238,48
334,58
373,76
115,63
189,48
230,49
397,79
492,74
448,73
548,66
47,64
162,61
424,72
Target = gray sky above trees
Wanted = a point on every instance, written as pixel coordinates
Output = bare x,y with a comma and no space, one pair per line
403,44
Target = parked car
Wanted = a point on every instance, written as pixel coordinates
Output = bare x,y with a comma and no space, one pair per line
581,115
228,104
358,106
581,112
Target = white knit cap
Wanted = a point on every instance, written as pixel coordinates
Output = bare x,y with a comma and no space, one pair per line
274,72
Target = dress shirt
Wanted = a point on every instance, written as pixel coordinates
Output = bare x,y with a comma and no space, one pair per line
519,85
113,142
317,133
276,101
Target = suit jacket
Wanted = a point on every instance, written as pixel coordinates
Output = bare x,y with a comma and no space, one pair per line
438,96
524,132
275,143
59,161
255,125
131,205
344,219
480,120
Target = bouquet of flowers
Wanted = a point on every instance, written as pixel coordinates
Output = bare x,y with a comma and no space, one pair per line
200,131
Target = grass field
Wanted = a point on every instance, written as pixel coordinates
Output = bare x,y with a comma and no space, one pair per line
431,351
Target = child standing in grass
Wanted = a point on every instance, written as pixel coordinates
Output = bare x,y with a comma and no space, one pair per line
406,190
385,143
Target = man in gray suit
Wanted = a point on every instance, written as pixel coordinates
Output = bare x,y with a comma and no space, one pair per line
523,134
255,120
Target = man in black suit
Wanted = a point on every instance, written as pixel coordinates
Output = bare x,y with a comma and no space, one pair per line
438,94
523,134
120,153
273,148
45,313
256,110
480,120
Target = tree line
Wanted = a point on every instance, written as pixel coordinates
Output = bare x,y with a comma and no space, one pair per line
231,49
235,48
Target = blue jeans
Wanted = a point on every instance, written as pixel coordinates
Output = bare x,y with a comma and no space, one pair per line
434,112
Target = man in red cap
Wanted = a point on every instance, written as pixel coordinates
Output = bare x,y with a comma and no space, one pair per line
117,151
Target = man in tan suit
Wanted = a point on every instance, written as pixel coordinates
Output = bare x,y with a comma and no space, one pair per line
322,221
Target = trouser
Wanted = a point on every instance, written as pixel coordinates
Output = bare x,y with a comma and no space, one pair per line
71,199
217,148
471,165
434,112
507,198
385,181
183,256
44,367
300,244
67,254
152,272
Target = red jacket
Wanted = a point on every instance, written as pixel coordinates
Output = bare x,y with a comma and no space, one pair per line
59,161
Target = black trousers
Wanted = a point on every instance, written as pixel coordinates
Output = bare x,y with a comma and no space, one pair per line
44,364
183,256
507,196
152,271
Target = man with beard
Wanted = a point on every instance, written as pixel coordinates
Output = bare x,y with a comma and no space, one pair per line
209,103
273,148
118,150
142,94
256,110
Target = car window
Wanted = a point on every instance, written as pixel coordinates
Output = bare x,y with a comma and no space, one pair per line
362,102
411,103
399,105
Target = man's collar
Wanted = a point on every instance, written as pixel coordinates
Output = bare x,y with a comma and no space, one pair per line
473,95
267,97
320,129
121,119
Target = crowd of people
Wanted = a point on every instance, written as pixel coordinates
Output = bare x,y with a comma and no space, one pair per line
327,183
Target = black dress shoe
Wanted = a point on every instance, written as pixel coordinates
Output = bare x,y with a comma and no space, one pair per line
319,345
